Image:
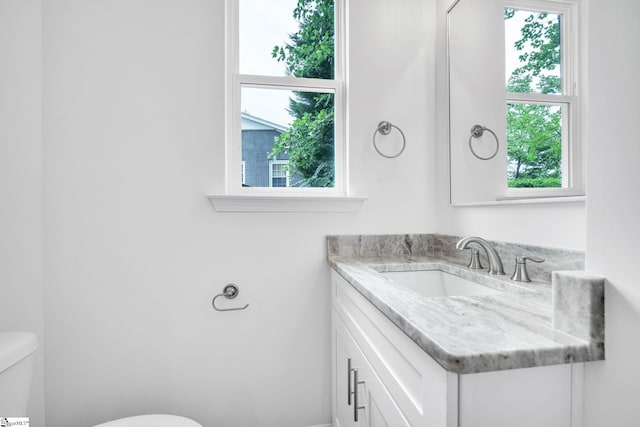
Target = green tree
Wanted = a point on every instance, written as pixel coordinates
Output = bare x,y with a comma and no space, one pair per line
540,47
534,131
309,143
534,149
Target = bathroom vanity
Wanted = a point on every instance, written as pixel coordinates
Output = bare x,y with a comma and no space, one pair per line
488,352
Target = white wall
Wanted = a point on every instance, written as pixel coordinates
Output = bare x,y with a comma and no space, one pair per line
613,210
561,225
133,125
21,179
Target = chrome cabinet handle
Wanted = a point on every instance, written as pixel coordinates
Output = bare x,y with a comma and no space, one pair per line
356,408
349,392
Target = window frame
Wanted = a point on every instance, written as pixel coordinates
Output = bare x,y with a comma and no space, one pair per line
235,81
272,163
569,100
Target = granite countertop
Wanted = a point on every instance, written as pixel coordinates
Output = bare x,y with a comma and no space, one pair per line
529,324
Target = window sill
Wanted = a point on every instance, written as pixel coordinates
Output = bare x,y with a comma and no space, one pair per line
524,200
252,203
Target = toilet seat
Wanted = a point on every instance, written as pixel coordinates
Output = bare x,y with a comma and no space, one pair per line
155,420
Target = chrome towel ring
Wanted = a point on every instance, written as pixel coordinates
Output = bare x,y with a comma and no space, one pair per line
385,129
476,132
230,292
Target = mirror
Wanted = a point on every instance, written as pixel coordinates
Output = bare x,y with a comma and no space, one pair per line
516,137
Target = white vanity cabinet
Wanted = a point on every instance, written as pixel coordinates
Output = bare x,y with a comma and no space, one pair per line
363,400
401,385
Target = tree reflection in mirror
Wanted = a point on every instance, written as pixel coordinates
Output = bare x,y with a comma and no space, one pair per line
537,139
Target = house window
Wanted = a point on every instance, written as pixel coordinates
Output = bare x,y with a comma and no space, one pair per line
279,173
285,96
543,152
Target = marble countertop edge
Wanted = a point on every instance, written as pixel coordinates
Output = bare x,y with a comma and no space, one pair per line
547,345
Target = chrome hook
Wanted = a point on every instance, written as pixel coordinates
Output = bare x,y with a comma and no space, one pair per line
230,292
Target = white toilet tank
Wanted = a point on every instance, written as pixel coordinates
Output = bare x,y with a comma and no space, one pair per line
16,369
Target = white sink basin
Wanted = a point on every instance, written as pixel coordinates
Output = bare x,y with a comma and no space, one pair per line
436,283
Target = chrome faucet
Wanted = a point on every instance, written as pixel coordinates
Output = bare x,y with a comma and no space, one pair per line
495,263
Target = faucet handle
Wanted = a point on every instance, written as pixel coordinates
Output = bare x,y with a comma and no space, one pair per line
520,274
523,259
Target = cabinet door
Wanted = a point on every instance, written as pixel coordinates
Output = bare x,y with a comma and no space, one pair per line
380,409
364,395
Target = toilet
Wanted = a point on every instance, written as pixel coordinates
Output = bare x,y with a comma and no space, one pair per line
155,420
17,350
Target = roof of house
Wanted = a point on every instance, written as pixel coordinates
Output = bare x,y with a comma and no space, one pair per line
250,122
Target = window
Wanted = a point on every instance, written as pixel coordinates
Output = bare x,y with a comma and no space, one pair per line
285,97
279,173
543,156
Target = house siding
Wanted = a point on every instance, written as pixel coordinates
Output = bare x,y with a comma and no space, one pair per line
256,147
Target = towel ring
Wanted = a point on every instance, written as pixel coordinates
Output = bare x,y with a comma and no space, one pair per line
385,129
476,132
229,292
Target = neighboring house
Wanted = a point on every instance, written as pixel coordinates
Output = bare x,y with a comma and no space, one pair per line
259,169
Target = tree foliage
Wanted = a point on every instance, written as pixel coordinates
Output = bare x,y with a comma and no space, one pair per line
534,131
535,136
309,143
